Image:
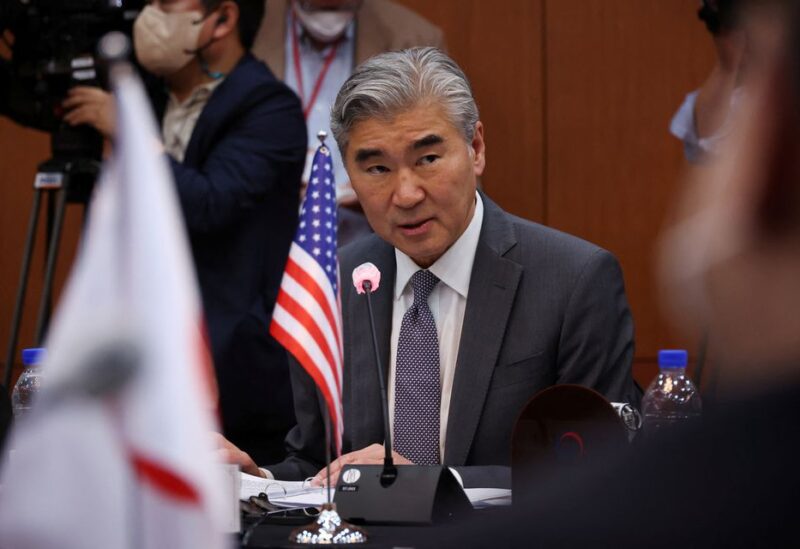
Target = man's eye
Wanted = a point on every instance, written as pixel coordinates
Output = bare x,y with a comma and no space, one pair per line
377,169
428,159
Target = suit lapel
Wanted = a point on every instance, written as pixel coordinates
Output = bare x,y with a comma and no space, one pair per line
230,95
492,289
365,396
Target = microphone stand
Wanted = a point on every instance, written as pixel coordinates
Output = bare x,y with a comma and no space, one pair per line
389,493
328,528
389,473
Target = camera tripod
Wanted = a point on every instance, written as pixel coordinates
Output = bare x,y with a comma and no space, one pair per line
64,181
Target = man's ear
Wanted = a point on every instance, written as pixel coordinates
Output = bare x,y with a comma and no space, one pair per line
227,19
478,149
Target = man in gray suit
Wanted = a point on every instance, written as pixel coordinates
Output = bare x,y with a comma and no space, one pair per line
477,310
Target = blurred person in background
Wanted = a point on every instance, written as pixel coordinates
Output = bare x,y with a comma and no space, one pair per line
732,260
235,139
313,46
703,118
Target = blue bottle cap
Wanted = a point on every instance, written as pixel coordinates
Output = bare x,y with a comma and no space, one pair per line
673,358
32,356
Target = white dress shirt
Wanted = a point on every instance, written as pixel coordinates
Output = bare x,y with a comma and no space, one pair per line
312,62
447,303
181,118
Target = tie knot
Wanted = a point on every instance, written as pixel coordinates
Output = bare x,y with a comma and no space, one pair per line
423,283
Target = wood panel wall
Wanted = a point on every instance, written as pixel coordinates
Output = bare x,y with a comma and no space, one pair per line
576,98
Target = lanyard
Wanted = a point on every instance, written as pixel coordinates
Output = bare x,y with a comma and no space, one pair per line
298,71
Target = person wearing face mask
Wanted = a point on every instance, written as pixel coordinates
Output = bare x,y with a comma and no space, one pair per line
235,138
703,120
313,46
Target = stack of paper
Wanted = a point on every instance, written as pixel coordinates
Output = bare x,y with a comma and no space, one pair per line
253,486
481,498
300,494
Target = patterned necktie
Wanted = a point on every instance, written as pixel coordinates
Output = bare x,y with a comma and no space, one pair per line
417,388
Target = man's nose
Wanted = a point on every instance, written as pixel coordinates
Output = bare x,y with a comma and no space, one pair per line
409,190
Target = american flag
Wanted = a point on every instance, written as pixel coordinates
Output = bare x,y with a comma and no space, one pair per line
307,318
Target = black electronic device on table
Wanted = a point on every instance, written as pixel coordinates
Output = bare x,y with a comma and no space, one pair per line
420,494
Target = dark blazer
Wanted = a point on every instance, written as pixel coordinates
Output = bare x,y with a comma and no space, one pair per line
239,188
543,308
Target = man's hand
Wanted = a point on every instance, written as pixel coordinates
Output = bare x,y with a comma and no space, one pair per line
371,455
92,106
228,453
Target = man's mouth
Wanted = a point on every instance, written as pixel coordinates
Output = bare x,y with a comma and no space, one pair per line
415,227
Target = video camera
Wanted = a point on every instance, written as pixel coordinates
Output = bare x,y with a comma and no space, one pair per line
52,45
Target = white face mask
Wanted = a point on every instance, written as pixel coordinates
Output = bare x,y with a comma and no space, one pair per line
324,25
165,42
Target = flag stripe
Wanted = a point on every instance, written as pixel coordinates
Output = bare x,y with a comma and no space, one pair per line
331,334
298,332
294,309
309,282
167,482
312,268
300,293
310,366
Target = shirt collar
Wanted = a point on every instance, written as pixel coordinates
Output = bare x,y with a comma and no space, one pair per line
200,94
454,268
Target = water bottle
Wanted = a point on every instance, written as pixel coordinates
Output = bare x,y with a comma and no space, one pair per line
28,383
671,398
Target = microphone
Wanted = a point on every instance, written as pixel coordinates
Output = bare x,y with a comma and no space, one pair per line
367,279
389,493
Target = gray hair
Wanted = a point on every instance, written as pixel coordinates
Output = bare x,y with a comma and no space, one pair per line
394,82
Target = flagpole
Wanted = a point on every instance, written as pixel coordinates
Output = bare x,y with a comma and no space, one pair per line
328,454
115,48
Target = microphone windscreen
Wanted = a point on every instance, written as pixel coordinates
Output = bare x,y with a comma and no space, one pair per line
366,272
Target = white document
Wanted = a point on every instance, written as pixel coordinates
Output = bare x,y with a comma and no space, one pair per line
252,486
309,497
480,498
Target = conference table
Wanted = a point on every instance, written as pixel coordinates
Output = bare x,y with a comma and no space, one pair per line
380,536
564,407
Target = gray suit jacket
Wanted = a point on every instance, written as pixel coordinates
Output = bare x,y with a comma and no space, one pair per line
543,308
